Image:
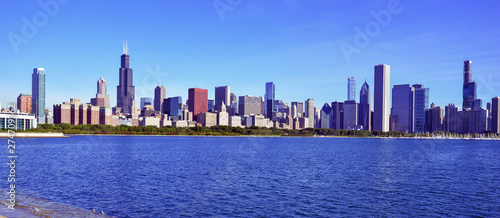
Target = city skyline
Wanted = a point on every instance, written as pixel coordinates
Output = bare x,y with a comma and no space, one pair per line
281,56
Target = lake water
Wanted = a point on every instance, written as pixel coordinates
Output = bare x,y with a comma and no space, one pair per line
141,176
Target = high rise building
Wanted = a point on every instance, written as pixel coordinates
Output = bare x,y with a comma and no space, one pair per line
160,95
364,110
452,119
101,99
309,106
75,110
488,107
223,116
350,115
248,105
105,115
92,114
469,88
337,115
495,115
381,97
125,94
421,104
403,112
38,94
82,116
269,100
222,97
173,107
24,103
197,101
233,98
146,101
326,116
434,117
279,108
351,89
62,113
297,109
210,105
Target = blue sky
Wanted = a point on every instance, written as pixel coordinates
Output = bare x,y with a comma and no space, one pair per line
295,44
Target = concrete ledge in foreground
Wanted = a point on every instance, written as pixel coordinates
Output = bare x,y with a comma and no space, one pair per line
34,135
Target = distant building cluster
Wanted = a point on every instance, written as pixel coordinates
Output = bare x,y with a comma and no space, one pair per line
407,110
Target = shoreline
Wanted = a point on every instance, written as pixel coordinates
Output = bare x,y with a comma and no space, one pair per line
62,135
294,136
18,212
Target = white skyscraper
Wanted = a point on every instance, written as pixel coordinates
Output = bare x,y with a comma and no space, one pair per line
309,106
382,97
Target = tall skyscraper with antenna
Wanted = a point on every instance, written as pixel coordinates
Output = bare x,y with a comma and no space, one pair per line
351,88
470,100
125,93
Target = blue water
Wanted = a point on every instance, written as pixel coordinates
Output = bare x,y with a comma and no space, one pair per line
128,176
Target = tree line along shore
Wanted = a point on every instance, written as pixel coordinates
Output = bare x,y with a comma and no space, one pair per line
68,129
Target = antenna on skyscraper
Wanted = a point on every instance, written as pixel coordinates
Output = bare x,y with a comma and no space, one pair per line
123,48
126,48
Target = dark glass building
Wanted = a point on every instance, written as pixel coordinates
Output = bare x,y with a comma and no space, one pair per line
364,111
125,93
160,94
173,107
38,94
222,97
421,104
269,100
470,100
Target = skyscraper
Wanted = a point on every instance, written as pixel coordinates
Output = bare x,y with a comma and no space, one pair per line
101,99
197,101
173,107
434,117
452,119
364,117
382,98
146,101
495,115
297,109
351,89
24,103
403,112
269,100
159,97
488,107
309,106
38,94
125,94
350,115
326,116
469,89
234,105
337,115
210,105
222,96
248,105
421,104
